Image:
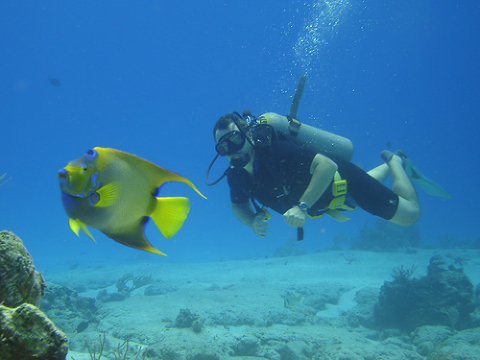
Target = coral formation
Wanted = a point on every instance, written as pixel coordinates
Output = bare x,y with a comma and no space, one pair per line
428,339
71,312
127,283
444,297
187,319
19,282
105,297
26,333
125,286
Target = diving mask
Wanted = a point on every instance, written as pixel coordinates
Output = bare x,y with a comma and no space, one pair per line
230,143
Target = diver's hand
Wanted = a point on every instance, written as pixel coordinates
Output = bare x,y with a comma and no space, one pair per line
295,217
259,224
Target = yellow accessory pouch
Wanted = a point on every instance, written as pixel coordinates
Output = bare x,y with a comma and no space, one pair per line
339,186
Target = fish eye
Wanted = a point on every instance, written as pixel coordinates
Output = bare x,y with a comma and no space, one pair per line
84,168
92,153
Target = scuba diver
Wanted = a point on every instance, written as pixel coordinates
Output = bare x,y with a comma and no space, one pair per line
300,171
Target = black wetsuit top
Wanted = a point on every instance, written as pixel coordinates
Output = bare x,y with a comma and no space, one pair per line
281,174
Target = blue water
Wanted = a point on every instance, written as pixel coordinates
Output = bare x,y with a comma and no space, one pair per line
152,77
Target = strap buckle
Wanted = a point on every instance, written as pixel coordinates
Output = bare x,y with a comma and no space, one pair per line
339,187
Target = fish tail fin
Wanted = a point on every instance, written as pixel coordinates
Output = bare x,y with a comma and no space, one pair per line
169,214
76,225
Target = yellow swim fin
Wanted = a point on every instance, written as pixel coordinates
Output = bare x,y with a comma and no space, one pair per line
169,214
76,225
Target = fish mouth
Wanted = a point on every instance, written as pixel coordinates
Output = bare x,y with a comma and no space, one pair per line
62,174
63,178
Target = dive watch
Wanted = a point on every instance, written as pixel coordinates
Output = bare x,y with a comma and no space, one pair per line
304,206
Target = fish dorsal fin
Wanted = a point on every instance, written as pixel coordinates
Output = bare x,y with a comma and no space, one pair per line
76,225
163,175
108,194
189,183
155,174
169,214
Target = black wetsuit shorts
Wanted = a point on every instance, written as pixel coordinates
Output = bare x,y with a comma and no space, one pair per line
368,193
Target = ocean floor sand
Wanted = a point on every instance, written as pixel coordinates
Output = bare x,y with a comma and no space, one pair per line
317,306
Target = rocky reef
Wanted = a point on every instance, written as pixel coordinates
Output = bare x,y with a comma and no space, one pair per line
25,331
187,319
70,311
445,296
19,281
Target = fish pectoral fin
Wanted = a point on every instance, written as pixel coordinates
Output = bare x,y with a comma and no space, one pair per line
108,194
169,214
76,225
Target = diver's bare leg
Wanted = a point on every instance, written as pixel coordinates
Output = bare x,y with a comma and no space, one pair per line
380,173
408,211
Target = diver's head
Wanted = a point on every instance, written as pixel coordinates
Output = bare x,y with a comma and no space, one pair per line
230,119
231,141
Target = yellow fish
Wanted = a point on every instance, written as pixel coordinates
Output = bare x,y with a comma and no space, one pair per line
4,181
115,192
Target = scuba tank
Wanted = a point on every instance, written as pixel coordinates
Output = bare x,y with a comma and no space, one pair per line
326,143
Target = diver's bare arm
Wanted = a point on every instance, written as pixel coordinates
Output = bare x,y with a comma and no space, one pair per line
244,213
322,170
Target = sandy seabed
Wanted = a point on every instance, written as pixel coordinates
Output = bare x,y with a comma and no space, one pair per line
317,306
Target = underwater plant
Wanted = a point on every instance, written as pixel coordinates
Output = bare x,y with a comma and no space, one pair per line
93,355
4,181
120,353
401,275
